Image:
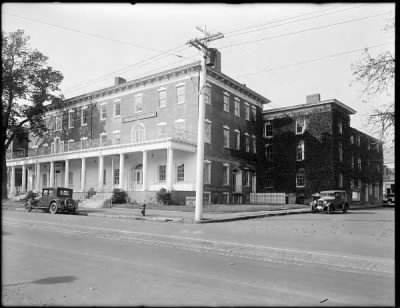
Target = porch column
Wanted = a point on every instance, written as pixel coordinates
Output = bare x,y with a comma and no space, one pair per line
66,173
12,181
170,168
101,173
144,164
23,188
29,184
121,170
83,174
51,173
37,173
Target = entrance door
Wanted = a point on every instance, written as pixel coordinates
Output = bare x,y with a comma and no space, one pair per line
58,178
139,177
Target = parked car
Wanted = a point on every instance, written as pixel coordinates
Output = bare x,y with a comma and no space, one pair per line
331,200
53,200
389,199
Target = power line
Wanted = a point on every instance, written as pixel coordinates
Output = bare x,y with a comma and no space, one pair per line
86,33
302,31
314,60
126,69
243,31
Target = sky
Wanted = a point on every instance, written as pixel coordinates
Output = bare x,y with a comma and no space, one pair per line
282,51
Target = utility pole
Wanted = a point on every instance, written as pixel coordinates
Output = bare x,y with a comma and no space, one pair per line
201,44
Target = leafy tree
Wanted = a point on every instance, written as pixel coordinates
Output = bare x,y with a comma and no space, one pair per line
376,74
27,85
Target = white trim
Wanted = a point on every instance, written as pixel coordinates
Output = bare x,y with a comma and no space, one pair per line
247,104
139,94
207,121
116,132
179,120
103,134
180,84
116,100
162,123
237,99
84,138
71,110
71,140
225,164
226,93
207,161
45,145
84,107
236,130
246,134
226,126
253,136
208,85
162,89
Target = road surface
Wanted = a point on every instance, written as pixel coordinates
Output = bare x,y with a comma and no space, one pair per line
307,259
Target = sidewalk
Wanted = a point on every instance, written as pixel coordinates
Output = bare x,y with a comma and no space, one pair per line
174,216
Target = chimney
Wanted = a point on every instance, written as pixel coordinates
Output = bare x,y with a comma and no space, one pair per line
118,81
214,59
313,98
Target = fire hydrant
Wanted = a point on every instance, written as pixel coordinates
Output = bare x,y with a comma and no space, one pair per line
143,210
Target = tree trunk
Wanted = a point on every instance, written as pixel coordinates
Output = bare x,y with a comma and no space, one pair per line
3,175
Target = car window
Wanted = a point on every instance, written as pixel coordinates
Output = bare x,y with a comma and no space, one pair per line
45,192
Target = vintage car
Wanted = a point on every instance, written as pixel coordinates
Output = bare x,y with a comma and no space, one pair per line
331,200
389,199
53,200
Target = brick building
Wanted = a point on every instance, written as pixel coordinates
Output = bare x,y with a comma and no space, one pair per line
141,136
312,147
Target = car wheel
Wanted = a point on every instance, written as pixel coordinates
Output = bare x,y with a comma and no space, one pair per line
28,206
53,208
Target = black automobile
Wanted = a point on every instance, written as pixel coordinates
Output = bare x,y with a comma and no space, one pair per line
53,200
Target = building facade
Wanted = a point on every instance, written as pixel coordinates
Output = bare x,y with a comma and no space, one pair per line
388,180
312,147
141,136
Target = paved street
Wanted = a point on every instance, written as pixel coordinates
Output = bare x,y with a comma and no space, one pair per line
303,259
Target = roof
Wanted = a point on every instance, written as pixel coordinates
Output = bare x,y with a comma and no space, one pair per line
303,106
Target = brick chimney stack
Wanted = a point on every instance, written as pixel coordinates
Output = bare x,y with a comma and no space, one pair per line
313,98
119,80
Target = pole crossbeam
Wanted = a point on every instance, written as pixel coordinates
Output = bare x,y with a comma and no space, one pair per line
202,45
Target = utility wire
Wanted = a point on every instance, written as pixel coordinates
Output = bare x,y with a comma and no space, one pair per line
314,60
302,31
265,26
86,33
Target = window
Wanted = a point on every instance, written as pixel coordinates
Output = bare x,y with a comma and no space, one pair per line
340,151
226,137
237,140
207,95
352,161
117,109
207,172
180,173
116,176
180,94
352,184
300,126
180,129
268,152
254,144
162,130
340,127
103,139
162,98
226,102
268,180
359,163
161,173
207,131
70,178
71,119
300,178
237,107
378,168
358,140
84,116
246,177
138,133
300,150
70,145
376,188
340,180
226,197
352,139
247,142
254,112
225,172
268,129
117,137
138,103
369,146
247,111
103,112
58,122
104,176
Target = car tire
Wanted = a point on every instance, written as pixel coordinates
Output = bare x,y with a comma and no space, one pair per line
28,206
53,208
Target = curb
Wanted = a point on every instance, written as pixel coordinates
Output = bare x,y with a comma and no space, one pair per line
117,216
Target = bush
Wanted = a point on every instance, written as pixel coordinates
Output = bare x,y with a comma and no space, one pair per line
119,196
163,196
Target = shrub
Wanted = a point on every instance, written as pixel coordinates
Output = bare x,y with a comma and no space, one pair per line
119,196
163,196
